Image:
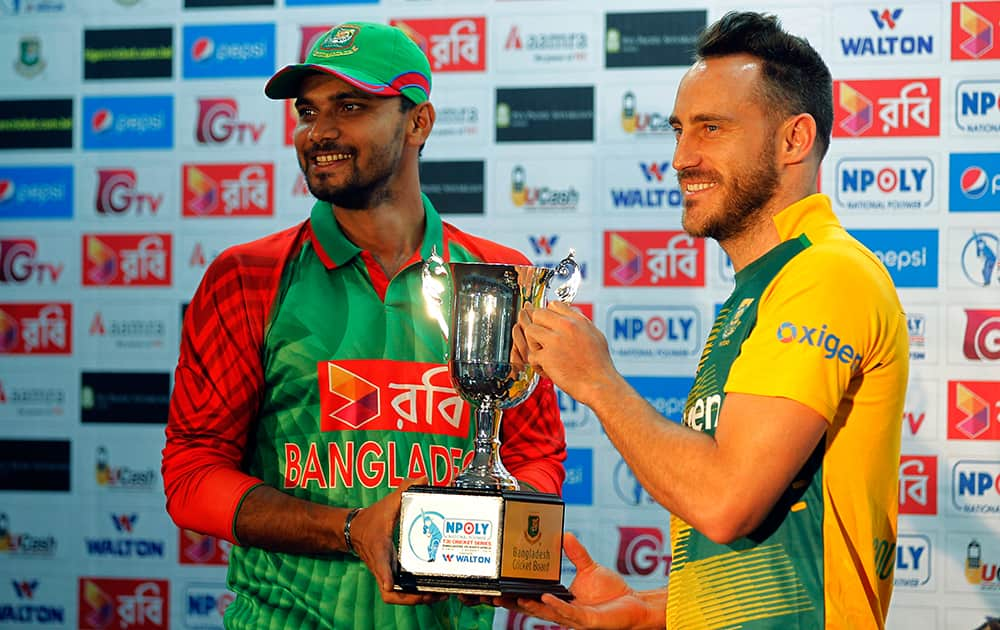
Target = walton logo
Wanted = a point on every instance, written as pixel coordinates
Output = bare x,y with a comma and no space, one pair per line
542,245
818,337
886,18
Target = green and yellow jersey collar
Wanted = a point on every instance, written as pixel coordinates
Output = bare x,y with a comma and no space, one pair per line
805,216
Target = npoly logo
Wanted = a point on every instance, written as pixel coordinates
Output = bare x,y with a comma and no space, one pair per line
885,183
818,337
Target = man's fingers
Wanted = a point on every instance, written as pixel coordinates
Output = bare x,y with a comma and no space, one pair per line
576,552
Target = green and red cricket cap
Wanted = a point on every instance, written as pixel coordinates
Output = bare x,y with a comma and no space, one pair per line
376,58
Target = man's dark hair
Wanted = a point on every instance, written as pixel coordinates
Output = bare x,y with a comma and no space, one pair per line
796,80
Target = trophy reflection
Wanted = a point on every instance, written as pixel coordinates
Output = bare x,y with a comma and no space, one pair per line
483,535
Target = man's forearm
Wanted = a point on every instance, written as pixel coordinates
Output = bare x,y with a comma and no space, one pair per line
272,520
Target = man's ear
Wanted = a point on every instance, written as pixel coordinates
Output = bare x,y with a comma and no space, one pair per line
421,122
798,136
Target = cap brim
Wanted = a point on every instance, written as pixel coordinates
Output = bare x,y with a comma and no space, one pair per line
285,82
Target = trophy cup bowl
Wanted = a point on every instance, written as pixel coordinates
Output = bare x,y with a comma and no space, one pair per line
483,535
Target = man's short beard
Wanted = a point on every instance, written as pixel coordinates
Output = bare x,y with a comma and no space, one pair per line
354,197
750,191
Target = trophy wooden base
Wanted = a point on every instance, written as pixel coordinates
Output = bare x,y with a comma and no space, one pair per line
480,542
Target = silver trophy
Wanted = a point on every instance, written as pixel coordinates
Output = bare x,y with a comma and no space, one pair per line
476,306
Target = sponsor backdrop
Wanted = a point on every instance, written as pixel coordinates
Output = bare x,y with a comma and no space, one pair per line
136,144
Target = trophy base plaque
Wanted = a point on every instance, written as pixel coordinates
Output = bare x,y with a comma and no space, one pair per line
487,542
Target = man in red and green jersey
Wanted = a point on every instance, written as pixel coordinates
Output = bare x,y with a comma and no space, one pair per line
311,384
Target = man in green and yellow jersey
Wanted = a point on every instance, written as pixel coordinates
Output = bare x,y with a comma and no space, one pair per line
782,479
311,385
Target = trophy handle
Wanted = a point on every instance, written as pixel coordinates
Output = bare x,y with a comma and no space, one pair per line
564,281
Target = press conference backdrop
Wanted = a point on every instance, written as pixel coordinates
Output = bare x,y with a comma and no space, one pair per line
136,144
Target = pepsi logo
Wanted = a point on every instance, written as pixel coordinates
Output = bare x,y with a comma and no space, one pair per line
974,182
6,189
202,49
102,120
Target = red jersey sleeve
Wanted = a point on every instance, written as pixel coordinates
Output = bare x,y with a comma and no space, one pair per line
217,385
533,440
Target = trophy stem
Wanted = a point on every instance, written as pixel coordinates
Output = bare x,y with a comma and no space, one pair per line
486,471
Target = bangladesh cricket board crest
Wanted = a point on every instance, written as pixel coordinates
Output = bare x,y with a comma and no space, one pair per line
29,62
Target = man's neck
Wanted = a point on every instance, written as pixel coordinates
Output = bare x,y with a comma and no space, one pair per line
762,235
391,232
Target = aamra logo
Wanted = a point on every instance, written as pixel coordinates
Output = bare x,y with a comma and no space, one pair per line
355,400
977,28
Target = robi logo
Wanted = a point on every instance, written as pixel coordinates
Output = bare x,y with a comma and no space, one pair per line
641,551
102,120
202,49
7,189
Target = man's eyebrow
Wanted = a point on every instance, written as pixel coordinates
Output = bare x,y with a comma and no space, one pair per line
339,96
702,118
